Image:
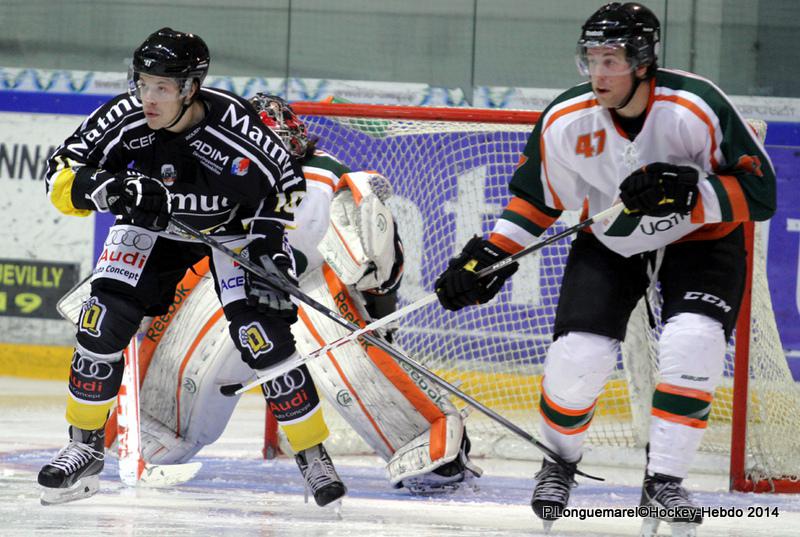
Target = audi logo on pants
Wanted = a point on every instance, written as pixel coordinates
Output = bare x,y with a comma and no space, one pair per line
129,237
285,384
92,369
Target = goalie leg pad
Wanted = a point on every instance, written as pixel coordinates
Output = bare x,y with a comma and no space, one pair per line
182,408
691,356
413,465
577,367
160,444
399,413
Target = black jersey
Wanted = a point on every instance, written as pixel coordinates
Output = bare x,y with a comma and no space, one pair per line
228,168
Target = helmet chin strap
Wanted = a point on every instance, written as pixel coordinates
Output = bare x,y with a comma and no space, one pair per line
634,87
184,108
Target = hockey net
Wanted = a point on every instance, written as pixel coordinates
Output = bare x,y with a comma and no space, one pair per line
450,169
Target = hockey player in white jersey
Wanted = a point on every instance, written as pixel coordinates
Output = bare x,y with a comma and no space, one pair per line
349,258
690,171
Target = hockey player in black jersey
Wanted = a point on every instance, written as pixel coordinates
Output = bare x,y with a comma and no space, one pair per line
172,148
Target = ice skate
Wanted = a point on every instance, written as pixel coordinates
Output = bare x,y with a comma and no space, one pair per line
320,476
74,472
551,494
665,492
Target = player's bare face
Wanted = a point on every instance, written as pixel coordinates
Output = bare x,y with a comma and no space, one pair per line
161,100
610,73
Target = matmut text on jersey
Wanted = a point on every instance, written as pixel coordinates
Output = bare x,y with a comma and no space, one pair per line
228,168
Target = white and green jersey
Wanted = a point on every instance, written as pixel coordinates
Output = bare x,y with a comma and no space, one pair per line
578,155
323,173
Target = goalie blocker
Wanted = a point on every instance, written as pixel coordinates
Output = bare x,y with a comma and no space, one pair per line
408,422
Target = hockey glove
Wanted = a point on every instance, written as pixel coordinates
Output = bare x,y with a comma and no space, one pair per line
146,201
459,286
659,189
396,276
267,298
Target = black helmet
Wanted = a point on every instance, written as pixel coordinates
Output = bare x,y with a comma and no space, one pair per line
631,25
171,54
276,114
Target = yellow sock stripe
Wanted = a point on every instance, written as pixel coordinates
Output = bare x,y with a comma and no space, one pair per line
308,432
87,416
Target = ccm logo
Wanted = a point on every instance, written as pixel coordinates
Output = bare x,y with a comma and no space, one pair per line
706,297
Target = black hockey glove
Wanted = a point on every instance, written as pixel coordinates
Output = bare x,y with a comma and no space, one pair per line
459,286
146,201
260,294
659,189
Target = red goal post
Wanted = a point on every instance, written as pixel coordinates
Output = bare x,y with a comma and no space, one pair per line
751,417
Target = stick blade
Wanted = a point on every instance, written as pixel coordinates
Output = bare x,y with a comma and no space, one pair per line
165,475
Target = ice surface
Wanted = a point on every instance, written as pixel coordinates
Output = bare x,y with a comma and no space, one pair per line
237,493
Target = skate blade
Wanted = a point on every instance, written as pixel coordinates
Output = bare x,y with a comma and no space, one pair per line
649,527
423,487
431,489
548,525
336,507
83,488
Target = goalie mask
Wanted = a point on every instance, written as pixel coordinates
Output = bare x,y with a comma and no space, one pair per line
278,116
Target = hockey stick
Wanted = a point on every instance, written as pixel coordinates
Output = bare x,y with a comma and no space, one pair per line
133,470
235,389
125,422
279,281
611,212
